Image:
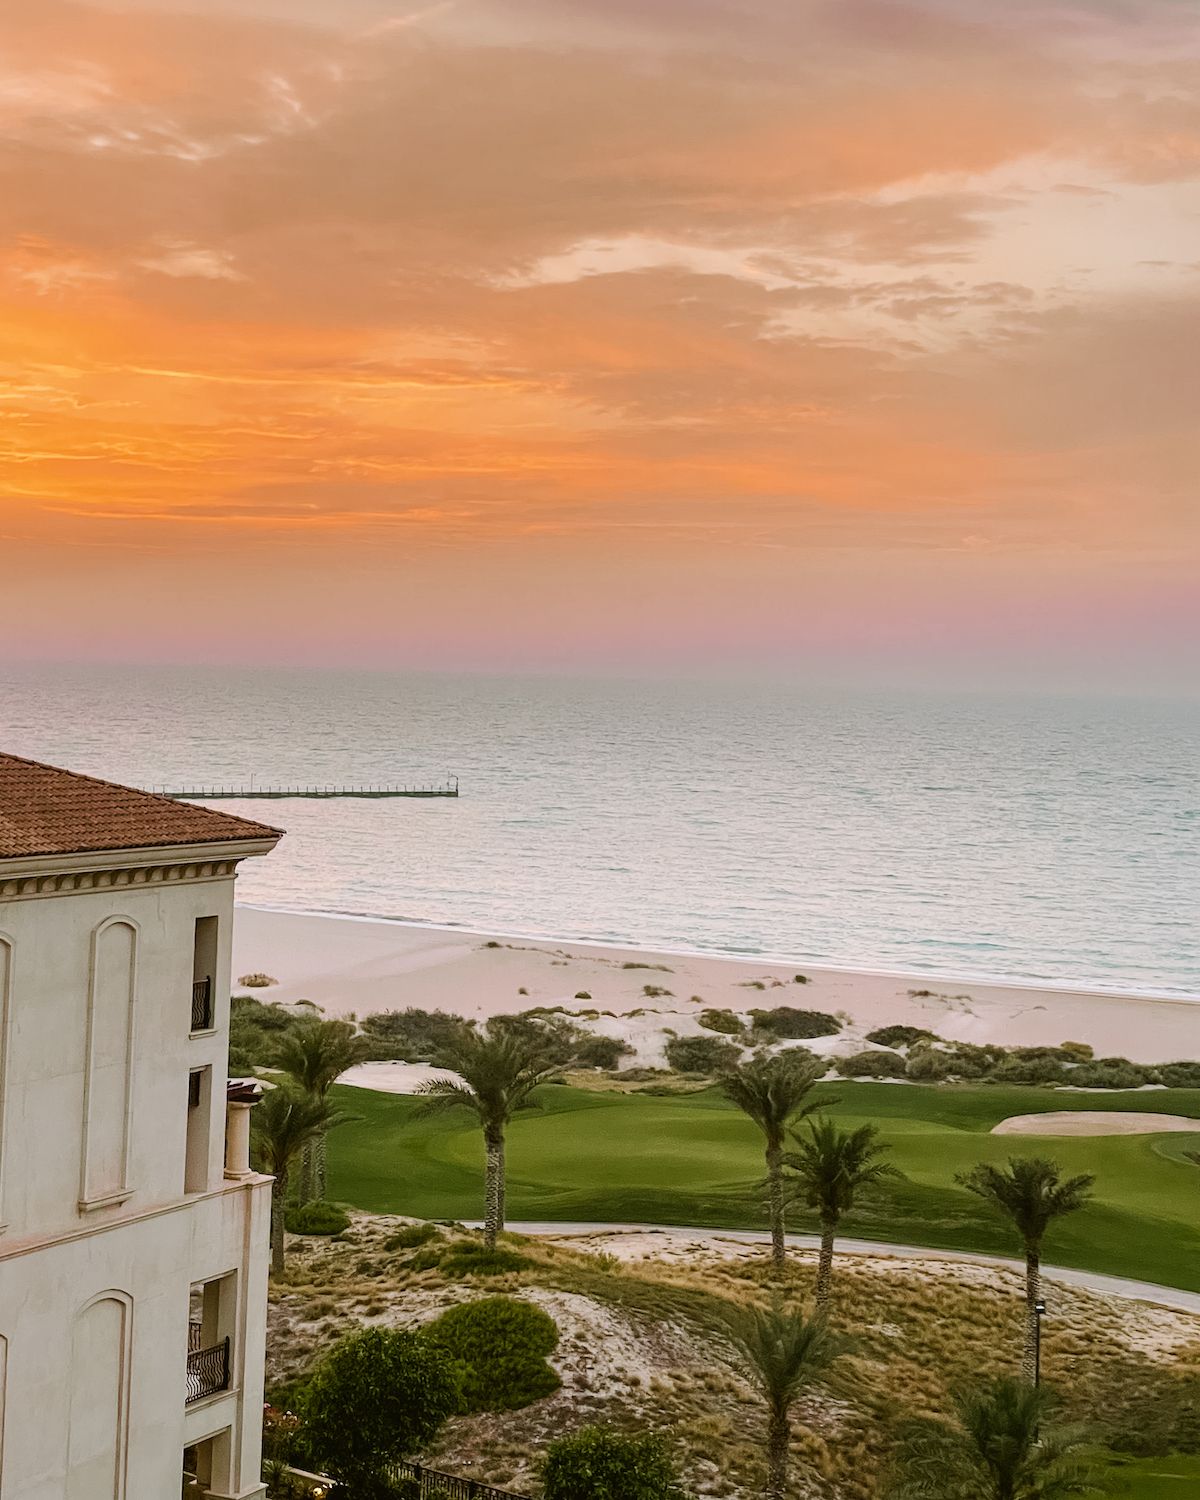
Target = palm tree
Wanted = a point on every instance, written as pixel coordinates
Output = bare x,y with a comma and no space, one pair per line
498,1071
999,1447
772,1091
315,1056
783,1351
828,1167
284,1122
1032,1193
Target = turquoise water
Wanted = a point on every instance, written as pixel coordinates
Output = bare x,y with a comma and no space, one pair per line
1024,838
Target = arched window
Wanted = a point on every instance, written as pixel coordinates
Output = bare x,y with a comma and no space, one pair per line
108,1082
98,1420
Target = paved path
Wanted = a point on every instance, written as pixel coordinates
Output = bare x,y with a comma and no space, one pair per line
1092,1281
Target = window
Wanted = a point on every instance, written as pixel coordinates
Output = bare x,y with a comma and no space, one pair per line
199,1131
212,1311
204,967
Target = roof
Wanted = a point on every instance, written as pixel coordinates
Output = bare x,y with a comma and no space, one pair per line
46,810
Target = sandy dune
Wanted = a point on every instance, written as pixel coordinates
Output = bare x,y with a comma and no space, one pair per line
1094,1122
352,966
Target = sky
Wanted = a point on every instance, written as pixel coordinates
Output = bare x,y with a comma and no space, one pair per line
849,337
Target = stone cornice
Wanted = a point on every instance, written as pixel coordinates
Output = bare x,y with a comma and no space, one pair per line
22,887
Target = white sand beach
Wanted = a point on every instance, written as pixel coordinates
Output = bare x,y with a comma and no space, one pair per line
352,966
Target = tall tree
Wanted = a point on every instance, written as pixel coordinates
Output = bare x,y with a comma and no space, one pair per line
497,1073
315,1056
773,1091
1031,1192
829,1167
284,1122
784,1352
999,1446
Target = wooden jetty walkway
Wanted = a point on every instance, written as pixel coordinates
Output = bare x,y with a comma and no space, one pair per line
265,793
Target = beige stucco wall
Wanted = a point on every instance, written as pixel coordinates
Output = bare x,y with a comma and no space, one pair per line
101,1243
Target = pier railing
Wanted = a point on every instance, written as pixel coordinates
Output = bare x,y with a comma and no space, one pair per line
253,793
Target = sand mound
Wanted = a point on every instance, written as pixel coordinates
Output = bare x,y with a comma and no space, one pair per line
1094,1122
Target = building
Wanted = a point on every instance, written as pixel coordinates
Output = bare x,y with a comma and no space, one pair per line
133,1233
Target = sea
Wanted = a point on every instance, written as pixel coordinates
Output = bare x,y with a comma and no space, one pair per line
957,835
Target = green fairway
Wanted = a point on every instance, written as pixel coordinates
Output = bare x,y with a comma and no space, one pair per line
1174,1478
694,1159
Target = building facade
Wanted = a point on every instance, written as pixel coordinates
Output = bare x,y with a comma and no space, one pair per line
133,1233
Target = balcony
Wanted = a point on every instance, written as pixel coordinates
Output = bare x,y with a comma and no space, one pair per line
207,1369
202,1006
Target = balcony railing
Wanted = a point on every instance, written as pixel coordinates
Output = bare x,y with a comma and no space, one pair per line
202,1011
207,1371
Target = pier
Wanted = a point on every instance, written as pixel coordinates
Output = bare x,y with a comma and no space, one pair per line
279,793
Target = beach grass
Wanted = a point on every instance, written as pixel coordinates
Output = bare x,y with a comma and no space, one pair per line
693,1159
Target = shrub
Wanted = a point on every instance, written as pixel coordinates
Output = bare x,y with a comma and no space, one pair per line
702,1054
499,1346
872,1065
723,1021
784,1023
1109,1073
377,1396
654,991
257,981
899,1036
582,995
1029,1070
1178,1075
603,1052
662,968
255,1032
411,1035
556,1038
969,1061
472,1258
316,1218
410,1237
597,1463
800,979
1080,1051
927,1065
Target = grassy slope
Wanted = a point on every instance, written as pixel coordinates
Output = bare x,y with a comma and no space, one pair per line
1174,1478
694,1160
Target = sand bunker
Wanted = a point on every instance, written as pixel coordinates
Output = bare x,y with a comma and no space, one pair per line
1094,1122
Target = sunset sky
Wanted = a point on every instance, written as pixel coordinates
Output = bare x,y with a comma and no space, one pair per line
604,334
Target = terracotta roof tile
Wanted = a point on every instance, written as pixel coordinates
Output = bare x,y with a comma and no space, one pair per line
45,810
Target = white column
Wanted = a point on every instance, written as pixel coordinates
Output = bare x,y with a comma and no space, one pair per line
237,1139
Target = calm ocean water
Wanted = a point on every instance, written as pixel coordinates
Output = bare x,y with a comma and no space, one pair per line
1024,838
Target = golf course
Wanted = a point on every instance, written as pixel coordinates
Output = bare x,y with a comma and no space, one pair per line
614,1157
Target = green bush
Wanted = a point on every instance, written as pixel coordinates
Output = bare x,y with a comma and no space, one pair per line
970,1061
786,1024
899,1036
702,1054
417,1036
872,1065
499,1347
255,1032
411,1237
1080,1051
1179,1075
1029,1070
724,1021
1109,1073
603,1052
376,1397
315,1218
556,1038
927,1064
597,1463
473,1258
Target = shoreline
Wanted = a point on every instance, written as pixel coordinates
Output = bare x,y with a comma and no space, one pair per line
352,965
722,955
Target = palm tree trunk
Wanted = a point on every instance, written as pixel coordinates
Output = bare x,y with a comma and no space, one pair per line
778,1440
1033,1287
825,1264
305,1194
320,1183
775,1208
278,1209
494,1223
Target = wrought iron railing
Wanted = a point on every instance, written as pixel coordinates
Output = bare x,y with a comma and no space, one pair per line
201,1004
207,1371
424,1482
